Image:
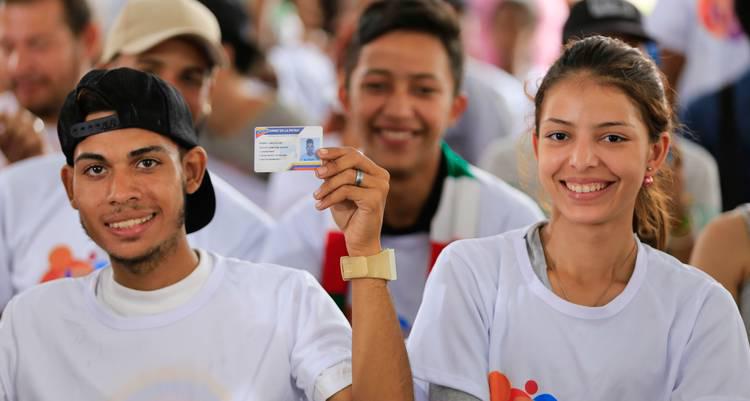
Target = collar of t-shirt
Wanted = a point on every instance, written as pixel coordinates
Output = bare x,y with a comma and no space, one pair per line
536,253
428,209
128,302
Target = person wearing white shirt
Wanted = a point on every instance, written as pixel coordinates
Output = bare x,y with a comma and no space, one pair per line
47,47
702,44
41,238
584,306
164,320
401,93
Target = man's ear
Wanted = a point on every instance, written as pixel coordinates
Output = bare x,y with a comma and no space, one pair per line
91,38
228,54
194,168
458,106
66,174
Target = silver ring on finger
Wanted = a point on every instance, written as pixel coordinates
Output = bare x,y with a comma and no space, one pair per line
358,178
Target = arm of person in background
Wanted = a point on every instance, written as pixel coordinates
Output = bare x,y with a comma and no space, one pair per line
21,135
723,251
380,367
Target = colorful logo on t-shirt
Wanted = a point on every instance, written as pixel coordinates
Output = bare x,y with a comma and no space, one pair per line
717,16
62,263
502,390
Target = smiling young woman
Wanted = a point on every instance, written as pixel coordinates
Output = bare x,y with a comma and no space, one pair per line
584,306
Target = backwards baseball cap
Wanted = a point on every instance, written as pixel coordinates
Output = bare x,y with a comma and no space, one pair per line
139,100
143,24
604,17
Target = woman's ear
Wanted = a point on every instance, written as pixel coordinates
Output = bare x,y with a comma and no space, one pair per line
659,150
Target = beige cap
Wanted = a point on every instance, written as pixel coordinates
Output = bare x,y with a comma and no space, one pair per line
143,24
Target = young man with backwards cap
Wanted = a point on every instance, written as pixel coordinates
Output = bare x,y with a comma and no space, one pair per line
40,236
167,321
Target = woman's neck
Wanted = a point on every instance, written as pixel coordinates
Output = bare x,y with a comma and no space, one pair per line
589,264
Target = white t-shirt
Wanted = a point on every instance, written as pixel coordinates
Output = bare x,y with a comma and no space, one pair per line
299,239
716,52
41,236
252,332
672,334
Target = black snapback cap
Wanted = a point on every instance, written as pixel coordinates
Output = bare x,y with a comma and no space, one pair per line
604,17
139,100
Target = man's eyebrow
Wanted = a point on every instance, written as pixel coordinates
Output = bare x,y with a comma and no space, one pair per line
148,149
152,61
90,156
559,121
195,69
378,71
424,75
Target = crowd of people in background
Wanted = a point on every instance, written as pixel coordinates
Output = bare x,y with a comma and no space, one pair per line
556,178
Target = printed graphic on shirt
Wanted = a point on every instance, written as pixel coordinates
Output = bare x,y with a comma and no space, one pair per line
717,16
167,385
502,390
62,263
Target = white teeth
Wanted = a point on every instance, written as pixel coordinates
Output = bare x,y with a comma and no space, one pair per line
396,135
585,188
131,223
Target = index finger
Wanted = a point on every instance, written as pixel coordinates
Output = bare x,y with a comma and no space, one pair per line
336,160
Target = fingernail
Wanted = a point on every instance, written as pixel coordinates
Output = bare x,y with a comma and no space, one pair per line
318,204
323,151
322,170
316,193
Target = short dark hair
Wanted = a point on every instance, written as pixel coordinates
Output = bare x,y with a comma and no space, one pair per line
432,17
77,13
236,31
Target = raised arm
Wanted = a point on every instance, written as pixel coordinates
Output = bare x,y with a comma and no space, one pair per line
380,367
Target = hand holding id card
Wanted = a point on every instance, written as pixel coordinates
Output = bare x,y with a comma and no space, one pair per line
287,148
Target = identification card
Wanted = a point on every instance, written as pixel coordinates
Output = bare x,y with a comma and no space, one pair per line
287,148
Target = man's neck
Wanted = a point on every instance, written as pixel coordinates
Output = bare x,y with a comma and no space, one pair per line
409,194
163,270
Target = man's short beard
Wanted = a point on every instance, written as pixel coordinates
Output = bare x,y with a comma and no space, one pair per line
151,259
